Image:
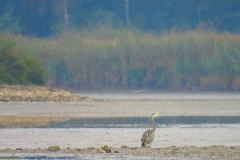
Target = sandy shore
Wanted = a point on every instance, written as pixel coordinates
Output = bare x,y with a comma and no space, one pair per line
123,108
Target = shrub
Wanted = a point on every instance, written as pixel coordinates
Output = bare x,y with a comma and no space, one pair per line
17,66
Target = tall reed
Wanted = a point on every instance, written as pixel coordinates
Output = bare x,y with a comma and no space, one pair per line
106,58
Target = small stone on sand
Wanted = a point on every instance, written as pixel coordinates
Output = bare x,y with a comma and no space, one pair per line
53,148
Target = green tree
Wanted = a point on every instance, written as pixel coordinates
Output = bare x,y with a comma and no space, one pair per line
8,21
17,66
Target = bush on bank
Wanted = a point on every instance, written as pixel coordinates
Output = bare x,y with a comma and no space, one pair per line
18,66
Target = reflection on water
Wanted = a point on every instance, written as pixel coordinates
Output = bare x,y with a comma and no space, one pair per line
140,122
131,122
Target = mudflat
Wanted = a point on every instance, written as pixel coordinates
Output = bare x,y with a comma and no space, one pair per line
124,108
190,153
227,106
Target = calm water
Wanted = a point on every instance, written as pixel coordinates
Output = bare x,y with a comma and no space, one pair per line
127,122
144,122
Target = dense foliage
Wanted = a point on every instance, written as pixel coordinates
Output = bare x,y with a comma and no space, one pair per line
17,66
44,17
109,58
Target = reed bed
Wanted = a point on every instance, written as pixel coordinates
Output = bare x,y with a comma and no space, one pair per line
105,58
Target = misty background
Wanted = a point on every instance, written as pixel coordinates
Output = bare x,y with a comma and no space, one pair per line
121,44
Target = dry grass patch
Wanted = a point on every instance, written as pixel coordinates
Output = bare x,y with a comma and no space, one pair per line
37,93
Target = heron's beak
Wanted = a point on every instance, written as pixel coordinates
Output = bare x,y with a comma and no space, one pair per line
159,113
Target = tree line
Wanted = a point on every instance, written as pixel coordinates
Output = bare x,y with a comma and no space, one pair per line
43,18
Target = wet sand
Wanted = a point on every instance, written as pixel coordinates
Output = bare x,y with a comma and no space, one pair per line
124,108
116,137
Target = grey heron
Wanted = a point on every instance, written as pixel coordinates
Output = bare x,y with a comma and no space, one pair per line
148,135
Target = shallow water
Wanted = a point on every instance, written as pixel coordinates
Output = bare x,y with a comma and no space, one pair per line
113,122
141,122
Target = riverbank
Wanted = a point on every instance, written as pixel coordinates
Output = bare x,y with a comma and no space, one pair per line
32,93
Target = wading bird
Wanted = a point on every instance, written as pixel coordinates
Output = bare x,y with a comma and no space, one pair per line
148,135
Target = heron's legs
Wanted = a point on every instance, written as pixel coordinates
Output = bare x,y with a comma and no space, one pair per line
149,146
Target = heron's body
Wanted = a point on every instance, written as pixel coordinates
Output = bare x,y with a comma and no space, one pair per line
148,135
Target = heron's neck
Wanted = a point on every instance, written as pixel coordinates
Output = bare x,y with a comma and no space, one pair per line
154,124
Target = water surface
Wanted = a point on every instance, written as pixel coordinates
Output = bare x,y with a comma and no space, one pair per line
114,122
142,122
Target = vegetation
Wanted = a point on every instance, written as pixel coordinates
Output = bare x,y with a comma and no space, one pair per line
44,18
17,66
94,44
109,58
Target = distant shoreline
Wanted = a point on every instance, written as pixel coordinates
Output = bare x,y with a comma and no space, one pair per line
31,93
